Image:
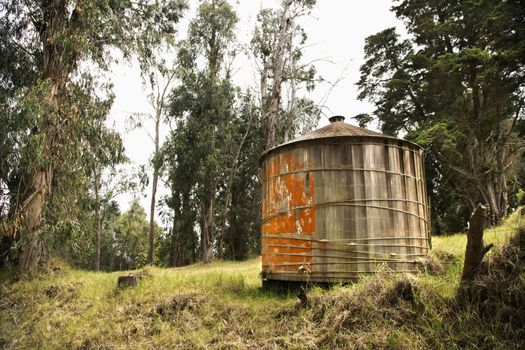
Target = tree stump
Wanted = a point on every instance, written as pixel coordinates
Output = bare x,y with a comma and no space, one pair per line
476,249
127,281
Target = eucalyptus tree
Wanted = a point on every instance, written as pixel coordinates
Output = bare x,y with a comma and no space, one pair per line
456,85
54,47
202,105
96,178
158,100
239,234
158,81
130,243
277,44
108,181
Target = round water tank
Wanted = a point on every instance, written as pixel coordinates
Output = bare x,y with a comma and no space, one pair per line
340,202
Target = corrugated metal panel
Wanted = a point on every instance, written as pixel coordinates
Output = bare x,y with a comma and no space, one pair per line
342,206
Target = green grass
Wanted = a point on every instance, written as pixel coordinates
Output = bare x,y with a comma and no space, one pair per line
221,306
498,235
455,244
79,309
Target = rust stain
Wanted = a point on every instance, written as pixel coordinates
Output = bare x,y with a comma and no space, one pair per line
281,224
288,210
305,221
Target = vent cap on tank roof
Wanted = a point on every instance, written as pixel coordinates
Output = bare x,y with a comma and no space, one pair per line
336,118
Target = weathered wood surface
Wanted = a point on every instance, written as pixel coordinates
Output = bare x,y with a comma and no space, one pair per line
342,207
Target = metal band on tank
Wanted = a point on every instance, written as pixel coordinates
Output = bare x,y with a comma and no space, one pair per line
348,203
351,245
348,250
293,235
341,169
345,257
341,245
349,262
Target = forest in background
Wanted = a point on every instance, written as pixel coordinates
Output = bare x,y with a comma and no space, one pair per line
455,85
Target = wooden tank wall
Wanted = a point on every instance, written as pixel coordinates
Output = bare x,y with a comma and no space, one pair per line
337,208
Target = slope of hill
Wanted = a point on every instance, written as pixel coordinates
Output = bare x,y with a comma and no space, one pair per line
221,306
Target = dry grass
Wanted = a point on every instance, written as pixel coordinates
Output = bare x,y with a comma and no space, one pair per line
221,306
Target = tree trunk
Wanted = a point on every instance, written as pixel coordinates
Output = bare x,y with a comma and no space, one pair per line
227,202
291,103
504,197
38,190
173,247
151,247
277,74
475,250
154,190
99,221
30,252
58,63
207,230
178,250
496,195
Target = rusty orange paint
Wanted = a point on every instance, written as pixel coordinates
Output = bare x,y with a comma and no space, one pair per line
288,210
293,164
305,218
288,250
279,225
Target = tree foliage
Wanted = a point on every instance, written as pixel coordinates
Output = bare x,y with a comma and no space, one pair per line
211,157
59,173
51,102
203,107
277,44
455,85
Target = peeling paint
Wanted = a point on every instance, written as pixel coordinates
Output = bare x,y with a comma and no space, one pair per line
284,213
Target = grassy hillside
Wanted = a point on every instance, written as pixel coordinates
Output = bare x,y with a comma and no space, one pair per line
221,306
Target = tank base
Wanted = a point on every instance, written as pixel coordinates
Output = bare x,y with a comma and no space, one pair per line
287,287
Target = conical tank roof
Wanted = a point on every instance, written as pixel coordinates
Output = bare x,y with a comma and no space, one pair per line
338,128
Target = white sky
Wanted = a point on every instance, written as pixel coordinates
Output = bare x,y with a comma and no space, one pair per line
336,32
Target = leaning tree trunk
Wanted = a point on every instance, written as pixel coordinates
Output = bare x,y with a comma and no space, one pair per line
475,250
